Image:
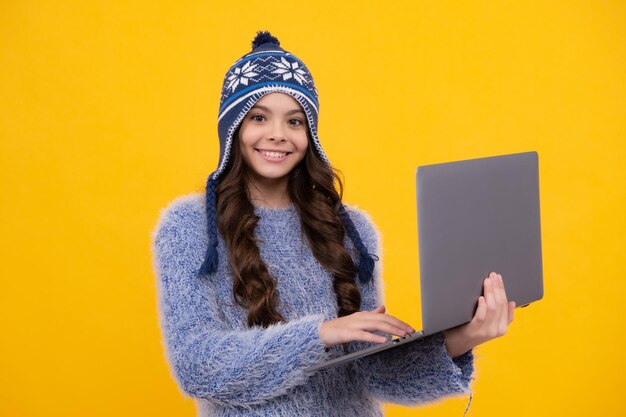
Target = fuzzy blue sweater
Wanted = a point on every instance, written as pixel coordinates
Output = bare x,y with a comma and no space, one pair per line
234,370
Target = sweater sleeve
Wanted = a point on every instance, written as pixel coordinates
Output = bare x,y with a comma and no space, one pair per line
210,360
413,373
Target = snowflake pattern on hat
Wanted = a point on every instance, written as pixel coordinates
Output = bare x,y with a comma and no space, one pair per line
281,67
290,69
241,75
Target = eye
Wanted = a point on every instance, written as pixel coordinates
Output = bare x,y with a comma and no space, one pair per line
296,122
257,117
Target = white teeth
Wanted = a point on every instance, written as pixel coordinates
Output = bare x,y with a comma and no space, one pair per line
274,154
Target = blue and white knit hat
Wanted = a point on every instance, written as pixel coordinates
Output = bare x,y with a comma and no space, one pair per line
268,68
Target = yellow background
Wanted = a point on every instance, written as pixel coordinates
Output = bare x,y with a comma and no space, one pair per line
108,110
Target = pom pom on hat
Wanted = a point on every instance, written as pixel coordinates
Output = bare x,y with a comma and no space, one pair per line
264,37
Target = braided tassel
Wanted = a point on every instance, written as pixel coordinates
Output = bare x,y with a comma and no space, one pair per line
365,268
210,258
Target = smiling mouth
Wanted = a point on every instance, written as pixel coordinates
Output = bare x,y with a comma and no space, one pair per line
273,154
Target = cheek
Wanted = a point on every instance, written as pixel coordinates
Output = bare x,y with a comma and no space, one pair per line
246,153
247,138
303,143
244,146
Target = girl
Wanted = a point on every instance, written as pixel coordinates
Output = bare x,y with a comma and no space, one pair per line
269,273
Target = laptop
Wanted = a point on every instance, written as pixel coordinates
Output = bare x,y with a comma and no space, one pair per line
474,217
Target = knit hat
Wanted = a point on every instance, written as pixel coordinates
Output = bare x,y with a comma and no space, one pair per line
268,68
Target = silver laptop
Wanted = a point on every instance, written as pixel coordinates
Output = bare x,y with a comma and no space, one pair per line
474,217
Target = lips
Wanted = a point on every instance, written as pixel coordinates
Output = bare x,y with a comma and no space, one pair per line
273,156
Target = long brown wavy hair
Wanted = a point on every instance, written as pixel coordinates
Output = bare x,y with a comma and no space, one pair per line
311,187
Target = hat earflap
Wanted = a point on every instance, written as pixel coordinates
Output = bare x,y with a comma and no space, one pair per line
210,258
365,268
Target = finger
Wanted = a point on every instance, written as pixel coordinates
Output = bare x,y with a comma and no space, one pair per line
489,300
498,289
367,337
386,328
391,320
501,302
481,311
511,311
503,287
384,323
507,305
400,323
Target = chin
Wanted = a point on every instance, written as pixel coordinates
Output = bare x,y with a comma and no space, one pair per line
272,175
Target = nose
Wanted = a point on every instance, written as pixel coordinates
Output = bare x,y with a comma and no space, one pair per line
277,133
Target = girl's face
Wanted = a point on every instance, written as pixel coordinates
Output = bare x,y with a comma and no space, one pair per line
273,136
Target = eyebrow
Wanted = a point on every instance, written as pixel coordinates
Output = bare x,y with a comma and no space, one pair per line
266,109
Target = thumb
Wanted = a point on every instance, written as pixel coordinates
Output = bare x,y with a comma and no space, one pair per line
380,309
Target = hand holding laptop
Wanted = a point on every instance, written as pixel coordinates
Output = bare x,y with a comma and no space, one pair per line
491,320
